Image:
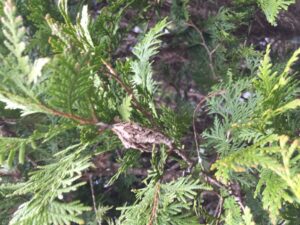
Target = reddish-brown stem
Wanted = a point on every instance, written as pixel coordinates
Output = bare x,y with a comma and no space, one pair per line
135,102
79,119
155,204
82,121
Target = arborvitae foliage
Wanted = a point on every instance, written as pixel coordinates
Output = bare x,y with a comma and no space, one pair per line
271,8
90,134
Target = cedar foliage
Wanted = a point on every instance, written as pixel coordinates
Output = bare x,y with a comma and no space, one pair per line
94,138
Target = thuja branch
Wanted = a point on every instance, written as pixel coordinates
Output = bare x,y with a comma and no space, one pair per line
29,105
81,120
128,90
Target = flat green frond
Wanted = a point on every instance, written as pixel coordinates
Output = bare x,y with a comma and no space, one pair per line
49,183
294,58
279,173
125,108
248,217
176,123
83,81
71,34
233,213
272,8
144,50
252,156
274,193
266,75
26,105
174,198
55,212
70,85
23,71
14,32
232,116
276,89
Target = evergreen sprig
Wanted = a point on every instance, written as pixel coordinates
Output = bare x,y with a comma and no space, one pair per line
271,8
142,66
49,184
80,104
158,203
